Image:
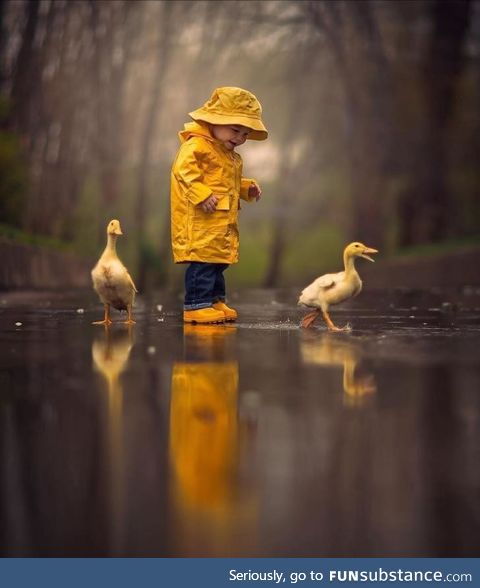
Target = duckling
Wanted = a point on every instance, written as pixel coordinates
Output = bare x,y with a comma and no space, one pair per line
111,279
331,289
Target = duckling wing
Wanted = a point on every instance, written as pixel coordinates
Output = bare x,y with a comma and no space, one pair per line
312,294
129,277
329,280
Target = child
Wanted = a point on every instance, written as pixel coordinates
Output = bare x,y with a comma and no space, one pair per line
206,185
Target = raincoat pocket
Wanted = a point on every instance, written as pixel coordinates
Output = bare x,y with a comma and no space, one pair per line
223,201
218,218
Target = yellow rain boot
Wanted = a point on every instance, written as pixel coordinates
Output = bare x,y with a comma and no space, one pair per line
230,313
203,315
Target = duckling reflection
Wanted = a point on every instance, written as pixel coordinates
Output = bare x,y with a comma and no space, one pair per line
358,384
110,353
204,442
110,356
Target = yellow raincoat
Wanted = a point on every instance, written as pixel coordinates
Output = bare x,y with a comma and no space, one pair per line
202,167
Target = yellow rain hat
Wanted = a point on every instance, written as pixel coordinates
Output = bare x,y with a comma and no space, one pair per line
233,106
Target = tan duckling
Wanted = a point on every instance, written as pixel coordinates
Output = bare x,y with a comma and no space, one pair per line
111,279
331,289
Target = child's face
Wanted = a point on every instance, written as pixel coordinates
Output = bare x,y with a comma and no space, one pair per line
230,135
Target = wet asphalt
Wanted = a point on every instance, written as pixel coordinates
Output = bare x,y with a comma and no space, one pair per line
257,438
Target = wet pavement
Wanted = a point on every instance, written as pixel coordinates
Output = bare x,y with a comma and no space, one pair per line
253,439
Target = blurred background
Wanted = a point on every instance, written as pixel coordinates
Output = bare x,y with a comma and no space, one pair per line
372,107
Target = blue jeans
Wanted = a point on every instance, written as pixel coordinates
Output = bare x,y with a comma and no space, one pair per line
204,284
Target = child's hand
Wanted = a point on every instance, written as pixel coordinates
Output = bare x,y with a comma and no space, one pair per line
254,192
210,204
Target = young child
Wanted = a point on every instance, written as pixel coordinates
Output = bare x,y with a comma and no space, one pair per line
206,185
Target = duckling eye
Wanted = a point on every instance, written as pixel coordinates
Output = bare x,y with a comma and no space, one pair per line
357,246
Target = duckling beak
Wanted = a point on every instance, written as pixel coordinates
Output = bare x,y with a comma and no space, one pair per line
118,231
368,250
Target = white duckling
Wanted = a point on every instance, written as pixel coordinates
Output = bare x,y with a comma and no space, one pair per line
331,289
111,279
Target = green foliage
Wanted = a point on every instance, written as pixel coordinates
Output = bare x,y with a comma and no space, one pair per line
13,176
433,249
465,181
312,254
19,236
86,233
251,268
91,218
155,266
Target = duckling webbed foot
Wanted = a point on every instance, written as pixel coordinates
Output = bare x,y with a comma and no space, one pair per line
129,320
309,319
334,328
345,329
107,320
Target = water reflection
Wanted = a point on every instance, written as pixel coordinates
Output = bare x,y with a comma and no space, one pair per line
205,437
110,353
331,350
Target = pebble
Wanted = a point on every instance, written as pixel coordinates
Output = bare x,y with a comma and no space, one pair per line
80,310
151,350
18,324
159,307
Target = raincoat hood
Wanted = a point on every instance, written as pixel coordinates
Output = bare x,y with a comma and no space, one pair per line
233,106
195,129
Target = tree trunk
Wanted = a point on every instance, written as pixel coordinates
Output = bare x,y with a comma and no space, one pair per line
26,80
163,56
365,76
426,209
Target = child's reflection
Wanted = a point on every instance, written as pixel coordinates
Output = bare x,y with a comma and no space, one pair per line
203,432
204,440
331,350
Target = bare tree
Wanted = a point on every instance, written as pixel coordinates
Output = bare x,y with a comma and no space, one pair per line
426,209
351,33
114,32
162,57
290,172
